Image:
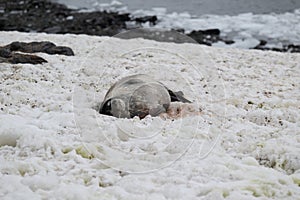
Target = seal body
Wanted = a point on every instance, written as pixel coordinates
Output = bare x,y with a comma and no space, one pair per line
136,95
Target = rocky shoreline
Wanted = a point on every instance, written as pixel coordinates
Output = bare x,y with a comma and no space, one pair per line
49,17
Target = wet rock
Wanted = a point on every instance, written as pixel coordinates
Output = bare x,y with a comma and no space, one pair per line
49,17
54,29
208,37
45,47
228,41
203,38
210,32
4,52
151,19
291,48
23,58
8,53
2,22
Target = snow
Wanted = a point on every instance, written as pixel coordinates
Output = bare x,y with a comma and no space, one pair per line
243,145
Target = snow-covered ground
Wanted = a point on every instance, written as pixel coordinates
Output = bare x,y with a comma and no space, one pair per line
244,145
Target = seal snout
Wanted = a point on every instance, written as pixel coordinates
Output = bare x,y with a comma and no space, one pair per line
119,108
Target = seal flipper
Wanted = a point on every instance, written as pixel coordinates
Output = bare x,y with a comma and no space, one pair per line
156,111
119,108
177,96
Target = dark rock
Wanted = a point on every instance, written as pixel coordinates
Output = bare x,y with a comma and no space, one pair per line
261,45
228,41
285,48
262,42
206,37
23,58
4,52
60,50
209,36
2,22
293,48
50,17
31,47
54,29
210,32
151,19
45,47
7,53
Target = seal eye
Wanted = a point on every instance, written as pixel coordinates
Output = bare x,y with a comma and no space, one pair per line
106,108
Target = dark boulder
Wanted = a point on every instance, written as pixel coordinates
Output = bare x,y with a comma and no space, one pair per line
50,17
293,48
151,19
209,36
8,53
24,58
285,48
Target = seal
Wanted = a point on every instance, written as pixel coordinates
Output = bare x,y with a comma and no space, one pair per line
138,95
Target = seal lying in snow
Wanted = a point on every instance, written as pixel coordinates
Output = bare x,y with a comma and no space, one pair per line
138,95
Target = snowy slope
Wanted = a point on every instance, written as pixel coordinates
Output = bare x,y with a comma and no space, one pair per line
244,145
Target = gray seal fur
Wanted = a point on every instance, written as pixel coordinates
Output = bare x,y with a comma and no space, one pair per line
138,95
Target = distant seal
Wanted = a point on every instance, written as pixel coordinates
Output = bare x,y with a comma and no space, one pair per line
138,95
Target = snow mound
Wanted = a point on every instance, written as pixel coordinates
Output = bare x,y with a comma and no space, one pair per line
244,144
